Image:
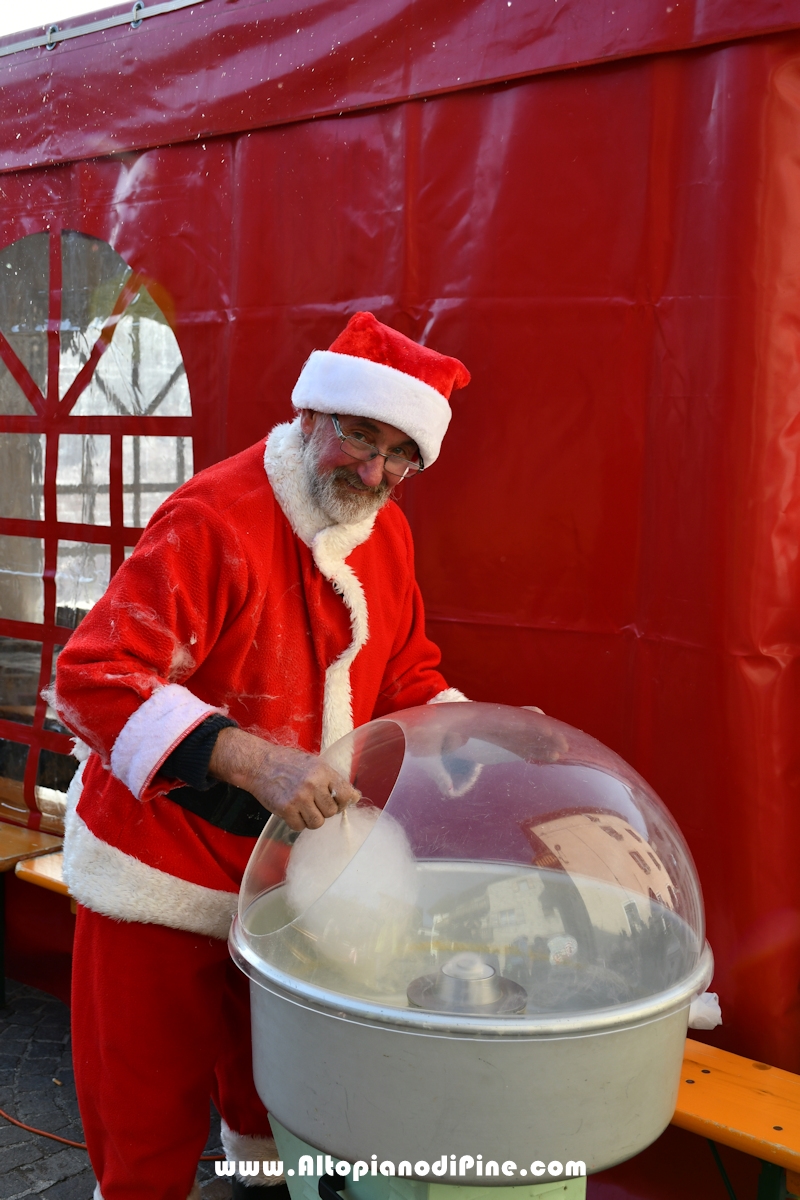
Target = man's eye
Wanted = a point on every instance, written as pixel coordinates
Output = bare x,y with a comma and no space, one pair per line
359,437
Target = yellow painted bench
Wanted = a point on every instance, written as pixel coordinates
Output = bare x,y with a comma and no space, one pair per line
17,843
46,872
747,1105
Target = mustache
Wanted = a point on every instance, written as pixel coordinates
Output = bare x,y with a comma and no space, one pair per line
348,476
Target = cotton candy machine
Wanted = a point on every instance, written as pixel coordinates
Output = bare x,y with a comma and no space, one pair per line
491,957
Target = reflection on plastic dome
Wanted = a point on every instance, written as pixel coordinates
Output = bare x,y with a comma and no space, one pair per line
499,862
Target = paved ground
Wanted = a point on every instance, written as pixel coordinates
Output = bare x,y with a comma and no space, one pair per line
34,1054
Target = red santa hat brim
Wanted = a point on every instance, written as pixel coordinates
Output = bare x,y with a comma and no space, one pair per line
358,387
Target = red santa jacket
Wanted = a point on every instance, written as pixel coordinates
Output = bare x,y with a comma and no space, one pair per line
239,598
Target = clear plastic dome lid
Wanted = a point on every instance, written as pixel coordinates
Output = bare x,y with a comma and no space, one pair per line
499,862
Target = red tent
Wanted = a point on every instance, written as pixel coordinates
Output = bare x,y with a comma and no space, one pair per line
597,207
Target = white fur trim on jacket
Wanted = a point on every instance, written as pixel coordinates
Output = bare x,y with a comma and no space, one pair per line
243,1146
450,696
153,731
330,546
108,881
358,387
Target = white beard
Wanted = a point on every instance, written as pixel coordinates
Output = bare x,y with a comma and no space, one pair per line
331,494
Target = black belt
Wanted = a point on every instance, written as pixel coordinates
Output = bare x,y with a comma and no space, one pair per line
229,808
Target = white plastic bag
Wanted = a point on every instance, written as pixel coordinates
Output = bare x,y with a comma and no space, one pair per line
705,1012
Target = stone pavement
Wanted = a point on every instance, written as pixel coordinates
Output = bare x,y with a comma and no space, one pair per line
37,1087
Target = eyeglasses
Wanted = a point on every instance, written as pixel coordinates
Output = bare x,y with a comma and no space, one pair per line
359,447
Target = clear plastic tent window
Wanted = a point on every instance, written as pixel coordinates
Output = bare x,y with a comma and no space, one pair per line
498,862
90,369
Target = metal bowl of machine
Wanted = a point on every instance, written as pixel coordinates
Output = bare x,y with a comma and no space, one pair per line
493,954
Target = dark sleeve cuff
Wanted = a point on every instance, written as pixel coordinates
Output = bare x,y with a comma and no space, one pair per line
189,761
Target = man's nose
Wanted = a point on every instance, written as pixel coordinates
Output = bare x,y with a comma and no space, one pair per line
371,473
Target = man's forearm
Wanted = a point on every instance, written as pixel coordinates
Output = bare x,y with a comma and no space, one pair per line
238,757
299,787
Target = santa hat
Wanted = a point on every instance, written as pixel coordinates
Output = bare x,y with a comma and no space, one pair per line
373,371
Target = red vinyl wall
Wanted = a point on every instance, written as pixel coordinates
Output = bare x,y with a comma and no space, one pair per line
613,529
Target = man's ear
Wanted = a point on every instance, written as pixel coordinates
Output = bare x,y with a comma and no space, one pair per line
307,421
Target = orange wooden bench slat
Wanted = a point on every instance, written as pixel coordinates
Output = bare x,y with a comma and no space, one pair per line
16,842
740,1103
46,872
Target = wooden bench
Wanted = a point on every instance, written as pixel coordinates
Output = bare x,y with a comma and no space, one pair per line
17,843
45,872
747,1105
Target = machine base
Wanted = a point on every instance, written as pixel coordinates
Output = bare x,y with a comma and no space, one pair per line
381,1187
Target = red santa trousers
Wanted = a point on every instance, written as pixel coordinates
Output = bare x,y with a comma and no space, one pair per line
161,1022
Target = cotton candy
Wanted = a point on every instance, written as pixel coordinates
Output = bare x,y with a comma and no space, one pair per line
353,885
385,867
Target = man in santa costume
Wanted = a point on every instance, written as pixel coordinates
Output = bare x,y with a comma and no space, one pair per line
270,607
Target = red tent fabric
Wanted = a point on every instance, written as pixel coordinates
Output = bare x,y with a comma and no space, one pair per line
596,208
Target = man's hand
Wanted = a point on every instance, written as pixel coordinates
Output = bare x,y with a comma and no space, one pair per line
299,787
505,726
